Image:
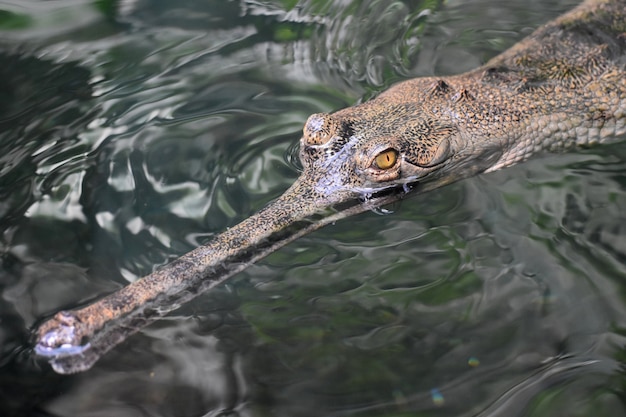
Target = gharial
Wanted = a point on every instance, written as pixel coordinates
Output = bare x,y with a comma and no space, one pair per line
564,85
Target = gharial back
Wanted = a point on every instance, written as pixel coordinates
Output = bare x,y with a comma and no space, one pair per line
586,44
575,65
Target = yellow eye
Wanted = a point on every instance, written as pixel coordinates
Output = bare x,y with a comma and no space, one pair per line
386,159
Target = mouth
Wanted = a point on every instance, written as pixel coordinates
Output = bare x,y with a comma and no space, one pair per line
74,340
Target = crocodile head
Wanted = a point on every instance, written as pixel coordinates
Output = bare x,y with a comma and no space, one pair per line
377,147
354,160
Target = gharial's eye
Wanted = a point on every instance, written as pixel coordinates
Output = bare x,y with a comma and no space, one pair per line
386,159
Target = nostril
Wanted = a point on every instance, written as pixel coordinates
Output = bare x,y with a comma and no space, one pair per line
319,129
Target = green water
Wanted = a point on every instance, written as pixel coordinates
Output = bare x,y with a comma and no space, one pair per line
133,131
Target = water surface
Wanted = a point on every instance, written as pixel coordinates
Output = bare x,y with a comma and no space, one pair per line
133,131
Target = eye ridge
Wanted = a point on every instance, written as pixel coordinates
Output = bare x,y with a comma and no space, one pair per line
386,159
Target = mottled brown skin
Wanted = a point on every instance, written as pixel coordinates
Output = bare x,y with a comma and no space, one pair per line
564,85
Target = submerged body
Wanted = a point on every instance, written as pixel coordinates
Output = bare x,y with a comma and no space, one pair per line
565,85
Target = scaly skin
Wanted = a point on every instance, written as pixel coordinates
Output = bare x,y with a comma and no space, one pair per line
564,85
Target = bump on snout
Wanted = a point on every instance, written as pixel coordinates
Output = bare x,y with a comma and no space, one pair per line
319,129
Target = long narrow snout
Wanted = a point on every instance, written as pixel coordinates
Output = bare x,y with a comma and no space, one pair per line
74,340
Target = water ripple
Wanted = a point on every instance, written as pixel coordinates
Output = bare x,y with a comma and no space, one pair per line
132,136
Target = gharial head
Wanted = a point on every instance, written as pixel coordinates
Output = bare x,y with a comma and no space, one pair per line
375,146
355,159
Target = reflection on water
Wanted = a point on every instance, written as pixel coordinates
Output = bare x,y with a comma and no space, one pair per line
132,131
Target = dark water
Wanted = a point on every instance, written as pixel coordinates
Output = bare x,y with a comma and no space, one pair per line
132,131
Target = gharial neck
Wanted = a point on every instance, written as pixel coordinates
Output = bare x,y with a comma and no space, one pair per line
562,86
